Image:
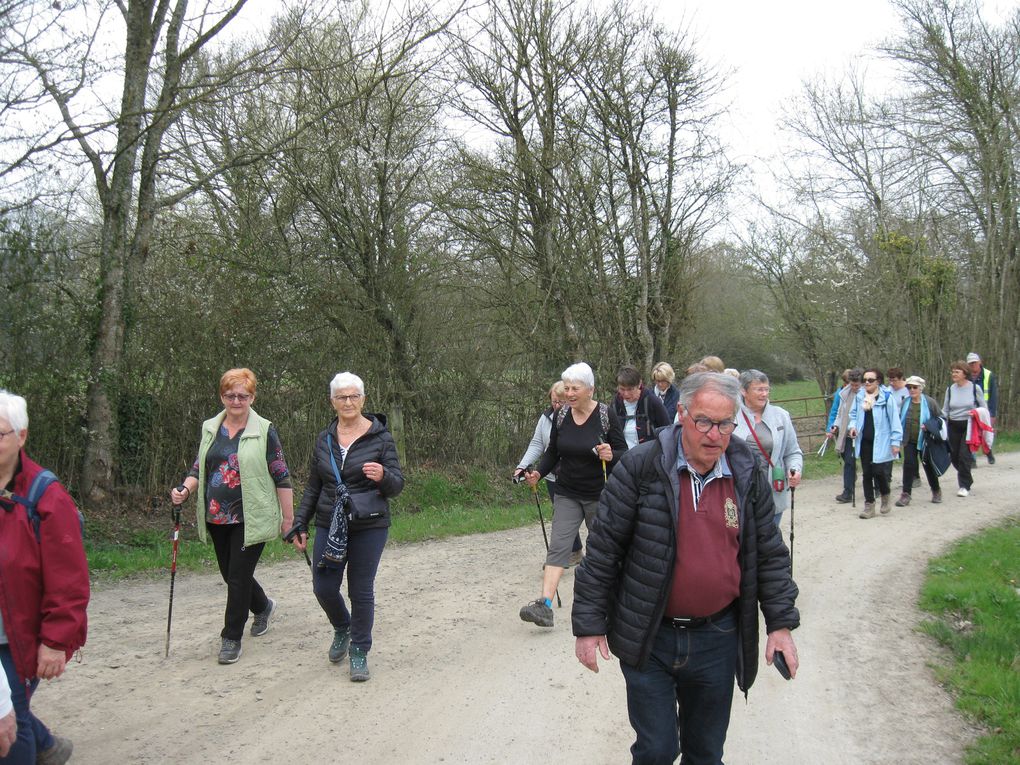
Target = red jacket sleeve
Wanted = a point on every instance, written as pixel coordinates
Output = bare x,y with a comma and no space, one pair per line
65,573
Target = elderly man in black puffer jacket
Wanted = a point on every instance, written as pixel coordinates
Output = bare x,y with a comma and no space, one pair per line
682,551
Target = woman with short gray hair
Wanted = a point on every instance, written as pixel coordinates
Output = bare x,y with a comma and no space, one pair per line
585,442
768,430
354,472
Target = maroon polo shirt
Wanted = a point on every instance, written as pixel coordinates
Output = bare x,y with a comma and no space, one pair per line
706,575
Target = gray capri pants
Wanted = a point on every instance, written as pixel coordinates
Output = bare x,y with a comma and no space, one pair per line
567,516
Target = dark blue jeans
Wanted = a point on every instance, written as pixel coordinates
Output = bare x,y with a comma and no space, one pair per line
33,736
680,702
364,549
237,567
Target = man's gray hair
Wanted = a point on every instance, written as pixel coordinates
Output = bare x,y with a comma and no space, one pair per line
694,384
751,376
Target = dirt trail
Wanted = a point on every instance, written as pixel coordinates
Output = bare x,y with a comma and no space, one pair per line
458,678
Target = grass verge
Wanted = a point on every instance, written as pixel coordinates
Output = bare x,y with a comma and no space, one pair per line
973,593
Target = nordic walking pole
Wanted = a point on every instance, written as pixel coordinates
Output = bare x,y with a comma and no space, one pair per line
792,519
853,488
534,490
173,571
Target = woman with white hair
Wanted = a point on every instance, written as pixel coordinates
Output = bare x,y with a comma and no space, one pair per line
916,410
44,583
353,474
585,442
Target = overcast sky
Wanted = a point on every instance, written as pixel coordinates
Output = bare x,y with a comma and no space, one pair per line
771,48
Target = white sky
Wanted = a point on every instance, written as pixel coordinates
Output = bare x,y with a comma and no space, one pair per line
769,49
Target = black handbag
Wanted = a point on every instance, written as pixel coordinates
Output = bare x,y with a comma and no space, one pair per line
367,506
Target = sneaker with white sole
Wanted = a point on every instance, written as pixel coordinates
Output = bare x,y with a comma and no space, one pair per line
962,492
230,651
260,624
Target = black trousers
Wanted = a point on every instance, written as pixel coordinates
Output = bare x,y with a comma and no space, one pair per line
237,567
876,474
911,458
959,452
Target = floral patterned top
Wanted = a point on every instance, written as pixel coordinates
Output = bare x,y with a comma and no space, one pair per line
223,475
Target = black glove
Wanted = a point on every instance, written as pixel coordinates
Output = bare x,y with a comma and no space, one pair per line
299,527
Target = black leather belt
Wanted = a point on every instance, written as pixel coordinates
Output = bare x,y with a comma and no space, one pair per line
690,622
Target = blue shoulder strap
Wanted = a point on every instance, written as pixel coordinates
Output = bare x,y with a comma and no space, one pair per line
39,486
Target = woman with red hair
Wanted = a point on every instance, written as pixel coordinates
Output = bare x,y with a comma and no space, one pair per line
245,499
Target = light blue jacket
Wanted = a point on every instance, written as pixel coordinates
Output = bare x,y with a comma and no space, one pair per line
888,428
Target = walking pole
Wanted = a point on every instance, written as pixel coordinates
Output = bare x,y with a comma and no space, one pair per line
853,487
173,572
792,519
534,491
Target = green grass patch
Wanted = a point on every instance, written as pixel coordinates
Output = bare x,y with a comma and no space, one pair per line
973,593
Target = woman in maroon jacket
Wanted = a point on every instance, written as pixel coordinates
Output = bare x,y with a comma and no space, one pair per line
44,585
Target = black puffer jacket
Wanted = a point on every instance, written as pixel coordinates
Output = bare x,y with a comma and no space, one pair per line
375,446
621,588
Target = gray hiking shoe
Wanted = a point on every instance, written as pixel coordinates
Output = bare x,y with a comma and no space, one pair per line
230,651
904,500
359,665
868,511
538,612
260,624
57,754
341,642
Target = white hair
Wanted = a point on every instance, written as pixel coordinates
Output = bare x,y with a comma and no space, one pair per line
14,409
346,380
579,373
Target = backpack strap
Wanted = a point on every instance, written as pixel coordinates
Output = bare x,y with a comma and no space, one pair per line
561,415
39,486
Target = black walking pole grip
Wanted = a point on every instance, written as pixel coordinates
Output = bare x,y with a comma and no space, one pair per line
298,528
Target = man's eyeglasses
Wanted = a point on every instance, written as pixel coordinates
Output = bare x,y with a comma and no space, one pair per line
4,435
242,397
353,398
870,379
705,425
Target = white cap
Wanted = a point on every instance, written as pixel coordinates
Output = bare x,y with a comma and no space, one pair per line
972,357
